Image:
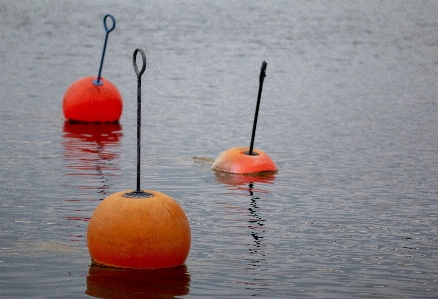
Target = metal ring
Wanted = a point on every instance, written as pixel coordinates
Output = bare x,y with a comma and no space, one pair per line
104,23
134,61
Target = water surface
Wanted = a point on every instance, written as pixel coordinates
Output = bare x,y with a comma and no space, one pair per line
349,115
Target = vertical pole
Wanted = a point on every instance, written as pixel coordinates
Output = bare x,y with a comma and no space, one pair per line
138,193
261,79
138,130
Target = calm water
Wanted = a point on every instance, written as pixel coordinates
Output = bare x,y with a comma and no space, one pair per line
349,114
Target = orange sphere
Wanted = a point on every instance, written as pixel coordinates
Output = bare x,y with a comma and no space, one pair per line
86,102
139,233
235,160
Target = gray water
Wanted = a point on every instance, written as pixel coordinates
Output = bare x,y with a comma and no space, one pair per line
349,114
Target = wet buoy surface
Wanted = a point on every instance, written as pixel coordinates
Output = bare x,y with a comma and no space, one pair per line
85,101
139,233
235,160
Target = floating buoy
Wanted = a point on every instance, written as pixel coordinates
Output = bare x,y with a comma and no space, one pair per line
85,101
150,232
141,229
91,99
235,160
243,160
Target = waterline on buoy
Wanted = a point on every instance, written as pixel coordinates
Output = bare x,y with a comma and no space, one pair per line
235,160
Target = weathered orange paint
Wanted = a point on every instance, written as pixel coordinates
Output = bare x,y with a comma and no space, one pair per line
139,233
86,102
234,160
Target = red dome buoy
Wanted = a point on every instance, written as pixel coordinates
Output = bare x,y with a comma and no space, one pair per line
94,101
84,101
234,160
245,160
139,229
139,233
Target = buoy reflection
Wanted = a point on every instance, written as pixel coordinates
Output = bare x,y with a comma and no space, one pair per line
103,282
91,152
233,179
256,223
251,220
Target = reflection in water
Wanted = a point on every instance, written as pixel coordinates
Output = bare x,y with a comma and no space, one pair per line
233,179
104,282
256,262
91,151
256,223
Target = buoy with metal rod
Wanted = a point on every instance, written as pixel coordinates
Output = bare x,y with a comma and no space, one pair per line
244,160
139,229
91,99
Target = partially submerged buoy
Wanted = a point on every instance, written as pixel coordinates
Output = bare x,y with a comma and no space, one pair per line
91,99
235,160
141,229
243,160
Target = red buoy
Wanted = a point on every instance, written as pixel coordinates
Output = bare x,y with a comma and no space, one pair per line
94,101
85,101
235,160
245,160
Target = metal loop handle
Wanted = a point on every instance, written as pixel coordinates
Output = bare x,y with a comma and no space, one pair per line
134,62
104,23
98,82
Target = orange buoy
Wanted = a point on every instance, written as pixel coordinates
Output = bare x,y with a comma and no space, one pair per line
84,101
139,229
139,233
235,160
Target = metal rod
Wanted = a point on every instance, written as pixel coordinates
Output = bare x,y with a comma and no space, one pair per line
138,193
97,81
262,78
